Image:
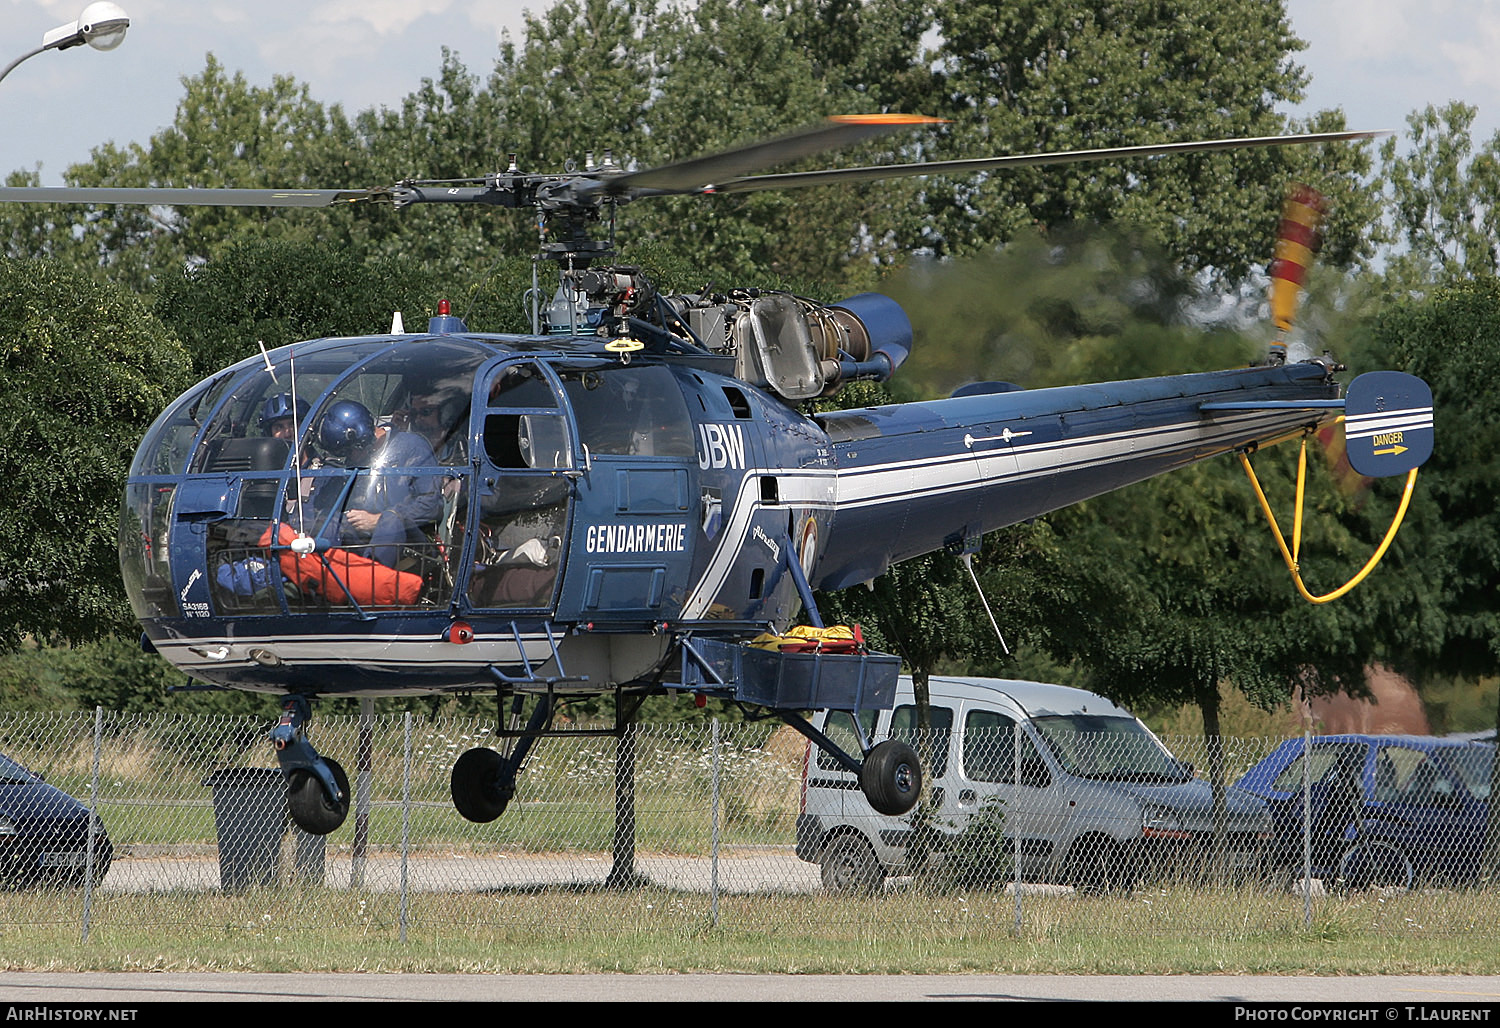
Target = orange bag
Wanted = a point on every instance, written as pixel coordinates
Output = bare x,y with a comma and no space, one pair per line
369,582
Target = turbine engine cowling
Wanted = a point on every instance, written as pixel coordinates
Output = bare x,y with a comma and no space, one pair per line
800,349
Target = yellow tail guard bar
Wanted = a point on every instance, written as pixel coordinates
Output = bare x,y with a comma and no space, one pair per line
1290,556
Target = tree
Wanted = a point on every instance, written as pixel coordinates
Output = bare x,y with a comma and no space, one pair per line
655,83
1442,201
1043,312
86,372
276,293
1442,620
226,134
741,71
1044,75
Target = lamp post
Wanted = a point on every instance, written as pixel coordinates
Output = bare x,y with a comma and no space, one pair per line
101,25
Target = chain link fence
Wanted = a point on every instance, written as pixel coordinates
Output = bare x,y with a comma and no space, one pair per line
730,824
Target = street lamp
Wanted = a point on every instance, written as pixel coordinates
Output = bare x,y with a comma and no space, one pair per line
101,25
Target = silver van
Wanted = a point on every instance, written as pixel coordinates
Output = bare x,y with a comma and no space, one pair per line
1058,782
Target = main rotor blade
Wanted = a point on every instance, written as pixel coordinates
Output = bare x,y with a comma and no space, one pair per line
794,180
186,197
696,174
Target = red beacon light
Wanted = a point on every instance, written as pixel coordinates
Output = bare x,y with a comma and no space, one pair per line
445,323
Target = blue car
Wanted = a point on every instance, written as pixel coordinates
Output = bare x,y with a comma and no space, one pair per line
44,833
1381,810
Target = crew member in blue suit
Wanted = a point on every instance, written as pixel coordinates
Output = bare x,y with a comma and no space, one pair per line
388,507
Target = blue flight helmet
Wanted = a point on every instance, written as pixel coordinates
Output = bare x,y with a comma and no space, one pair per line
346,428
282,405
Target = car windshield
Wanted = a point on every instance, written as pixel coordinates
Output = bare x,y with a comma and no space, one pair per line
13,773
1115,749
1473,765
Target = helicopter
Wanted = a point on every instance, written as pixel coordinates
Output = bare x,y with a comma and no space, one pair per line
634,498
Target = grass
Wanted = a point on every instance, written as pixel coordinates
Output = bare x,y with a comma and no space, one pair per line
565,804
538,826
590,929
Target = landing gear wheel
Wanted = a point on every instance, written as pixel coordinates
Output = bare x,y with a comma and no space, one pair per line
891,777
1374,865
475,785
311,808
849,866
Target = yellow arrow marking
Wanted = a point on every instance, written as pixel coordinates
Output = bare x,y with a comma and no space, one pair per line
1390,451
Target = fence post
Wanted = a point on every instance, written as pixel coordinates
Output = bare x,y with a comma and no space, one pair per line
622,874
713,873
363,758
1306,827
88,857
405,817
1015,830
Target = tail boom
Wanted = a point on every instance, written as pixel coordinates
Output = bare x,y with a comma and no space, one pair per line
913,478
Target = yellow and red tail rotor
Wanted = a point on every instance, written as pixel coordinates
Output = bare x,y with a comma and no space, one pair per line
1297,246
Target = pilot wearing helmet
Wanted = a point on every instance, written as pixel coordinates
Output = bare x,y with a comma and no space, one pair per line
389,506
278,416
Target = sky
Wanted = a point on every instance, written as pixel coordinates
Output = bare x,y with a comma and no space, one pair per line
1378,60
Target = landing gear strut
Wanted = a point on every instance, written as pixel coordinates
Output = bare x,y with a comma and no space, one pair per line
317,789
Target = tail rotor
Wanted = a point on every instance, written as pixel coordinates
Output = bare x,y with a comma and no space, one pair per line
1297,245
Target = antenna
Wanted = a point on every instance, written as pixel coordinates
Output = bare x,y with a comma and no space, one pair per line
291,360
267,358
968,559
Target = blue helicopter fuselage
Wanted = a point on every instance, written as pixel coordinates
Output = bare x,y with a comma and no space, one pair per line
570,512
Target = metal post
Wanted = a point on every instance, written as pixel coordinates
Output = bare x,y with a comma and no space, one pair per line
363,758
1015,830
713,884
405,817
622,871
88,857
1307,827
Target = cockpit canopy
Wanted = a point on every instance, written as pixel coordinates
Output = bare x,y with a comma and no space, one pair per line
422,385
371,447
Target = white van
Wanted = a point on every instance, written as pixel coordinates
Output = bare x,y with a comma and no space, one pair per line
1059,782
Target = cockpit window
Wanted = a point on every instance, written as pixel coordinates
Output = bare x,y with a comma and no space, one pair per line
523,512
634,410
169,443
362,447
524,428
421,387
263,403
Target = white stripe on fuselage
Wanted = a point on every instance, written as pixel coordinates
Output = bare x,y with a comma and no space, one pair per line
386,652
956,474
